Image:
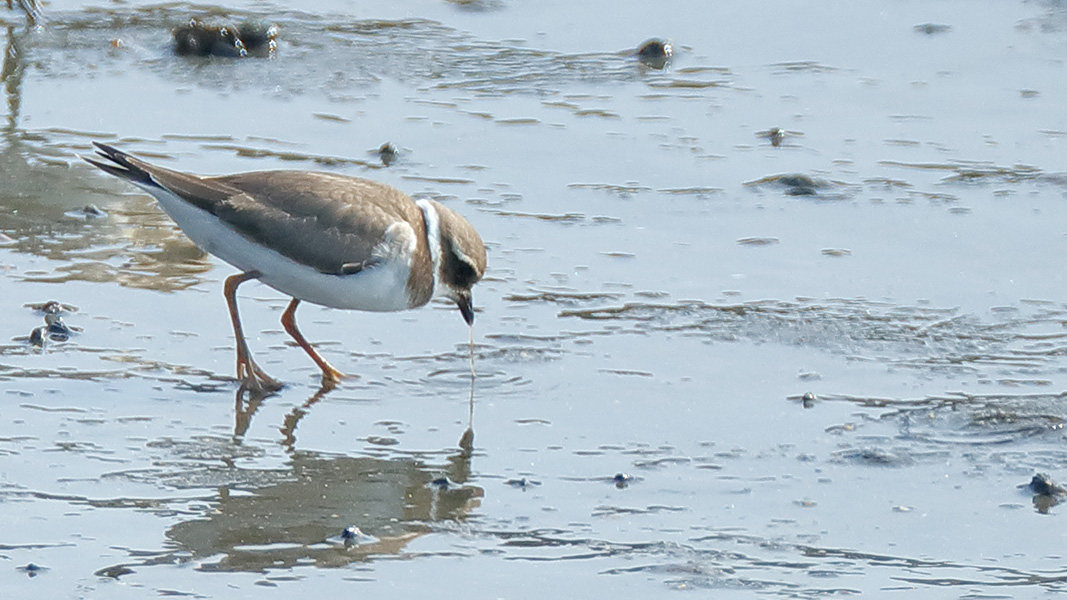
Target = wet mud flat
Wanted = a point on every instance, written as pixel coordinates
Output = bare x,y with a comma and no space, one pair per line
778,319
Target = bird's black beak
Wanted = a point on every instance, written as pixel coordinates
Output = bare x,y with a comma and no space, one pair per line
466,308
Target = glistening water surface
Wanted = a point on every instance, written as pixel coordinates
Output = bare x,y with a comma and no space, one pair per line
785,318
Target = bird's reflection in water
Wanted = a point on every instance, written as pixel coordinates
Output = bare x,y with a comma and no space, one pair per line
299,521
11,76
248,401
297,516
288,428
32,10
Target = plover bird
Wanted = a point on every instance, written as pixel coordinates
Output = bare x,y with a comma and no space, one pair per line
333,240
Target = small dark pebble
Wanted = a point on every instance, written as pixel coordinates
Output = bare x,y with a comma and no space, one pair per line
37,336
388,153
622,480
655,53
932,28
1042,485
774,134
354,536
32,570
91,211
807,400
522,483
442,483
58,331
51,307
56,326
796,184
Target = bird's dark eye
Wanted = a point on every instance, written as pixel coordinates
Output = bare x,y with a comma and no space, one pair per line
459,270
465,275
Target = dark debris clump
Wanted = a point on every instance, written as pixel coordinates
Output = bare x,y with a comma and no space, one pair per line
250,38
54,328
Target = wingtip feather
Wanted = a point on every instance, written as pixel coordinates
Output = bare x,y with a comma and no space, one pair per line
118,163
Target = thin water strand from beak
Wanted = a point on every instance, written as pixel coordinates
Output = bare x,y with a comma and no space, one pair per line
470,344
470,416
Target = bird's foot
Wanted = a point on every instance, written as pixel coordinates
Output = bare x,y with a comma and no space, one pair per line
255,379
331,377
260,385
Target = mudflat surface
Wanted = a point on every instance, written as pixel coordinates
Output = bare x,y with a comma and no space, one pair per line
665,285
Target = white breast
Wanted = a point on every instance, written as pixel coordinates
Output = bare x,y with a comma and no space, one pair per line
382,287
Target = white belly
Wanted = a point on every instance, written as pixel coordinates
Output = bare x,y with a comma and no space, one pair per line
380,288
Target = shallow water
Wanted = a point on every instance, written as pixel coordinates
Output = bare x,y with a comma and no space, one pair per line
664,287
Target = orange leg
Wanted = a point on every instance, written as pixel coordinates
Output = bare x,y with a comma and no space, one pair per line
330,375
251,376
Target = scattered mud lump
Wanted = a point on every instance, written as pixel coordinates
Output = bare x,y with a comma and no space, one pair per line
114,571
387,153
442,483
354,536
806,400
88,212
52,307
250,38
777,135
796,184
774,134
58,331
522,483
54,328
655,53
873,457
91,211
1046,493
932,28
32,570
1042,485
